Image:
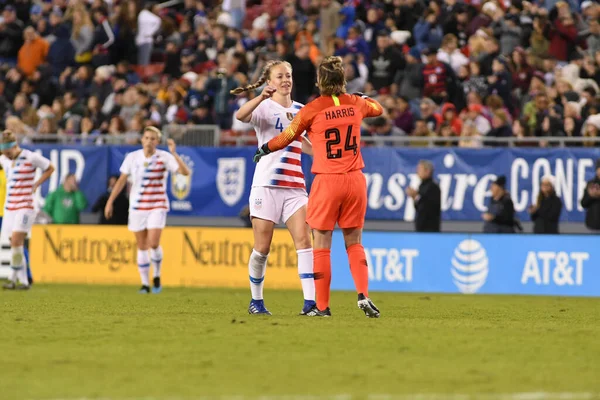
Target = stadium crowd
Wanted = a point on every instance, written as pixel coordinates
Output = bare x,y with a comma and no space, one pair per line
472,69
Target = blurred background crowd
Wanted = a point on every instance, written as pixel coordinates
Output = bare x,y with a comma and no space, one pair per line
470,70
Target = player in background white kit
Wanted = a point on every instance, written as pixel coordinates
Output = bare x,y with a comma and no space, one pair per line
20,166
278,189
148,200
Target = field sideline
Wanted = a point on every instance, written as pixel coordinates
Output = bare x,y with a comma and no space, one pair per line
108,342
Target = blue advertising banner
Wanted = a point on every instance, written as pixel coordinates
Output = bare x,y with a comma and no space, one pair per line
89,164
562,265
222,177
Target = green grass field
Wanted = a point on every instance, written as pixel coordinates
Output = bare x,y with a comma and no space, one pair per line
80,342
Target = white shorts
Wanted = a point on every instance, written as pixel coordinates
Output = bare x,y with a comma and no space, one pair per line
142,220
17,221
276,204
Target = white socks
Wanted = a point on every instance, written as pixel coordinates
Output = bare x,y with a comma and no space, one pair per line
156,256
257,266
143,262
19,266
306,273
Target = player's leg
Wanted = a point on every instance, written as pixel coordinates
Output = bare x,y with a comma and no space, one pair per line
294,216
257,265
352,220
265,212
7,226
157,220
21,224
143,259
18,264
322,213
322,263
138,223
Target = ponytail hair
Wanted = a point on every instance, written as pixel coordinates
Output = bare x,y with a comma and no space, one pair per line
266,74
331,78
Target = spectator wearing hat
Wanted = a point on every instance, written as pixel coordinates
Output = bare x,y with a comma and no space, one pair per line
591,201
11,36
428,200
35,15
386,63
435,77
500,217
545,214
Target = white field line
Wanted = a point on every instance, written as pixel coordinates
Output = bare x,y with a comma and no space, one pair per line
413,396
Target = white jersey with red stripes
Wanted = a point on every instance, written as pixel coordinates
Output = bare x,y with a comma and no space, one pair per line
149,179
20,177
281,168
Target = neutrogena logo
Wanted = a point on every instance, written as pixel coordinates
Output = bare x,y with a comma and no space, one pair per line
469,266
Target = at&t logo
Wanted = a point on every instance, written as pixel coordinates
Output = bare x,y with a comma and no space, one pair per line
469,266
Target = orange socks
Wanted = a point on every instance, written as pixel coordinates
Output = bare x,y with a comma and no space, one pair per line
322,268
359,268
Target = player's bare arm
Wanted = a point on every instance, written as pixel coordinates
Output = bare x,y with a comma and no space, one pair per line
119,185
244,114
183,168
45,176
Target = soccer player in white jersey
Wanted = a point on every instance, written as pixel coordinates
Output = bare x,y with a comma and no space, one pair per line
20,166
278,191
148,201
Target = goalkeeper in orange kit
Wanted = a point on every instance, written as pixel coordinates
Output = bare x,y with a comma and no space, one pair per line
339,191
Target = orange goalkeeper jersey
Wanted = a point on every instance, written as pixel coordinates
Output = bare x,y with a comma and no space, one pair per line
333,126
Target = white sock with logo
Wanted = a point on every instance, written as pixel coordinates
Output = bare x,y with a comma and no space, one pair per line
156,256
306,273
143,262
257,266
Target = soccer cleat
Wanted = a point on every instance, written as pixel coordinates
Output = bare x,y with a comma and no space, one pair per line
326,312
258,307
144,290
157,287
365,304
310,310
14,286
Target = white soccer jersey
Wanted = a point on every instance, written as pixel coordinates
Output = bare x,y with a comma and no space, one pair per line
149,176
20,176
281,168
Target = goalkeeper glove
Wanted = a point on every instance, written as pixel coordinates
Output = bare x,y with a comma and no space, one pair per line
261,152
364,96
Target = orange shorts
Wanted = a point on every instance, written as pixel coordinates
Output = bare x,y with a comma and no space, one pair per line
340,198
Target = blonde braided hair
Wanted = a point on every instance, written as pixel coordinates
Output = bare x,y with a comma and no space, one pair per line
266,73
331,78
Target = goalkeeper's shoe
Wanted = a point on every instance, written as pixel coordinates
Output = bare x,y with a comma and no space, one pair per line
258,307
144,290
365,304
157,288
310,310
